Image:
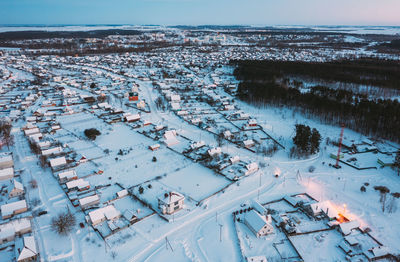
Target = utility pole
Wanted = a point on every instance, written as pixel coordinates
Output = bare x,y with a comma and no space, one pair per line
168,244
220,232
340,147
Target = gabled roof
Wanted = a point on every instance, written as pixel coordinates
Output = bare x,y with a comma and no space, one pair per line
29,248
255,220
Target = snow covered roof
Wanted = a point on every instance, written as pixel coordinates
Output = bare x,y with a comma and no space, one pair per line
32,131
214,151
348,226
6,172
171,197
8,209
50,151
131,117
107,212
122,193
248,142
79,183
380,251
18,185
197,144
6,158
326,207
67,174
58,162
28,249
252,166
88,200
17,225
255,220
234,159
257,259
44,144
6,233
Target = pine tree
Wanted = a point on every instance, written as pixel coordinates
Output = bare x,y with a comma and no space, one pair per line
315,141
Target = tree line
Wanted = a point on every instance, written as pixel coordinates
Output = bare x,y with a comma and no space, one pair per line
365,71
334,106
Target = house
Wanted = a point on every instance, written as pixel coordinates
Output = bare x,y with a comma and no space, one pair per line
252,122
130,216
15,189
214,151
32,131
122,193
347,227
248,143
102,214
170,202
170,138
175,98
132,117
89,201
234,159
12,209
175,106
67,176
16,227
257,259
251,168
52,151
376,253
79,184
154,147
258,224
6,161
26,249
57,163
323,208
6,173
44,144
197,144
227,134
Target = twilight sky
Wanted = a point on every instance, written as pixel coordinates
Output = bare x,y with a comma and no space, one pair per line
173,12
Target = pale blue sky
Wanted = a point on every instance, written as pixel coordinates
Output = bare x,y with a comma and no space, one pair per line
173,12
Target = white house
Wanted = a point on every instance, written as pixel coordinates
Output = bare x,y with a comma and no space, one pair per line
52,151
6,161
58,162
6,173
102,214
26,249
67,176
248,143
15,227
132,117
214,151
234,159
258,224
122,193
78,184
251,168
15,189
32,131
170,202
89,201
170,138
14,208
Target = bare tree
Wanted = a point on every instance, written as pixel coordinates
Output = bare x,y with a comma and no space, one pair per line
63,223
5,132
